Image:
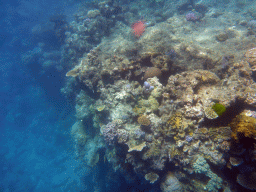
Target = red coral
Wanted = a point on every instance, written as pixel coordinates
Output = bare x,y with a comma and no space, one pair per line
138,28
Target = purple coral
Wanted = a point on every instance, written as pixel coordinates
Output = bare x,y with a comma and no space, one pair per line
110,133
148,87
191,16
189,138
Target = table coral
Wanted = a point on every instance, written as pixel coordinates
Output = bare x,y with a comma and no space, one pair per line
247,180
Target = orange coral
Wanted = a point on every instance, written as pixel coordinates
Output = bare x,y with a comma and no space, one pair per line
243,127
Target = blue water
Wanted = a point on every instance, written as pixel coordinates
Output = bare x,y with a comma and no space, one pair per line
36,151
37,110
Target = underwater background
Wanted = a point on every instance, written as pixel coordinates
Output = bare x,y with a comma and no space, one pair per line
118,95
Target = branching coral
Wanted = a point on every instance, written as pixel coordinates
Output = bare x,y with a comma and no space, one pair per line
201,166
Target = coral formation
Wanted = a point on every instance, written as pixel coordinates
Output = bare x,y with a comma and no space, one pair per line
143,120
247,180
243,127
152,72
168,103
171,183
250,56
191,16
151,177
138,28
202,167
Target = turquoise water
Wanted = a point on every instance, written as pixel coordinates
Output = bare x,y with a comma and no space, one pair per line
117,95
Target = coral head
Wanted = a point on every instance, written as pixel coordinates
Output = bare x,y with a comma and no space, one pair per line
138,28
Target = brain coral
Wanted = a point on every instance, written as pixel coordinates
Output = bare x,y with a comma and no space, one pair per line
152,72
143,120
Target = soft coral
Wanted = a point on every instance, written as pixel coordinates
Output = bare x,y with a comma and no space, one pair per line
138,28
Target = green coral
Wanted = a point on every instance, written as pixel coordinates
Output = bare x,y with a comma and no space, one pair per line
146,105
219,108
201,166
214,183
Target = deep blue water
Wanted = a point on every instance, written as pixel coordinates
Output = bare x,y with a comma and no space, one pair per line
35,118
37,152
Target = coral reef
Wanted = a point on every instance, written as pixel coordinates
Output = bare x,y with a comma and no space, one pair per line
174,102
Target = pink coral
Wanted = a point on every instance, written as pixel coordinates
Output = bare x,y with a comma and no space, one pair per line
138,28
110,133
191,16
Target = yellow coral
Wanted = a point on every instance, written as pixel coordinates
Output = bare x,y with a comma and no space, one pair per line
175,125
175,120
243,126
100,108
